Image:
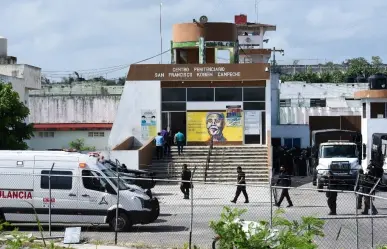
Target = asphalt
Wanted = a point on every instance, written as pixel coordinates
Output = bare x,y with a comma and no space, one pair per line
172,227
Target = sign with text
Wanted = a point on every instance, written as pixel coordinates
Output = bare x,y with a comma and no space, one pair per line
199,72
252,122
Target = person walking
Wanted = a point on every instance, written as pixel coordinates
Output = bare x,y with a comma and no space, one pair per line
165,135
284,180
241,187
371,178
179,141
331,196
185,184
159,146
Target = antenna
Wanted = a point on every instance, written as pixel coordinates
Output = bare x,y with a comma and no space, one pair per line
256,10
161,37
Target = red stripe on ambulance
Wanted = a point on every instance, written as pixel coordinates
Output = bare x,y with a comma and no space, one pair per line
6,194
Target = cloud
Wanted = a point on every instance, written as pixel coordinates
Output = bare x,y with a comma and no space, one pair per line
75,35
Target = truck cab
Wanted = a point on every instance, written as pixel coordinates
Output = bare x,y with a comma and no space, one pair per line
336,161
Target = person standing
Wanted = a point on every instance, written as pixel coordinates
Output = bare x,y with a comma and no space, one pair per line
185,184
331,196
371,178
360,189
241,187
284,180
159,145
165,135
179,141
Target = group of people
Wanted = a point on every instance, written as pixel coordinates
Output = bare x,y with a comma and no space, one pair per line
284,181
165,139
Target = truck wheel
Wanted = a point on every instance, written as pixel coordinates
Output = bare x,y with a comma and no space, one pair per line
123,224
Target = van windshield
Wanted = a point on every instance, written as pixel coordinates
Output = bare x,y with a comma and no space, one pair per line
113,178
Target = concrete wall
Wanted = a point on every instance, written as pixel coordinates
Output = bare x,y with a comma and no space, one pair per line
336,95
292,131
62,139
30,74
73,109
135,97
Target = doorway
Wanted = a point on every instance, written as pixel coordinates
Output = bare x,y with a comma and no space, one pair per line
175,121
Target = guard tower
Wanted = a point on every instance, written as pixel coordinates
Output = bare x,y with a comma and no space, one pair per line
251,39
374,115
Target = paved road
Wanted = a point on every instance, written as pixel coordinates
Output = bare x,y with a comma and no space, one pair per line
172,227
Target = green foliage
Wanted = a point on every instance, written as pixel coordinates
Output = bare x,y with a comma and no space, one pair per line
335,74
79,145
284,234
13,130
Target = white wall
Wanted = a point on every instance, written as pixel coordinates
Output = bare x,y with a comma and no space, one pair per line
300,115
135,97
73,109
128,157
62,139
335,94
275,95
30,74
268,109
292,131
210,105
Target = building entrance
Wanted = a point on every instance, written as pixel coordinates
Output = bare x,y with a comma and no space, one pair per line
175,121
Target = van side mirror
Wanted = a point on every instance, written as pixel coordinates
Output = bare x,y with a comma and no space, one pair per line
110,189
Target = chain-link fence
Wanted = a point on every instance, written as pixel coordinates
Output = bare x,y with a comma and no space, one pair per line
64,197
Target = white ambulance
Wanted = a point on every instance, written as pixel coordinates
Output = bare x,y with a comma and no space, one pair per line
82,191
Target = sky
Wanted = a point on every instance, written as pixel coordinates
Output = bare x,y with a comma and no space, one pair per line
103,37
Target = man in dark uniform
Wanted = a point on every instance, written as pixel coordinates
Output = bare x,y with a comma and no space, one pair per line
332,196
371,178
360,189
241,188
185,185
284,181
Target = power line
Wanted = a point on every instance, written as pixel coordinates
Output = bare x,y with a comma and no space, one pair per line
112,68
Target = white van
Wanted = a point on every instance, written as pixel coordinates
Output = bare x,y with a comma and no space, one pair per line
82,191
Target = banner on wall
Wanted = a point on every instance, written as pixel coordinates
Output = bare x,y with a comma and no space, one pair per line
252,122
148,124
201,125
234,116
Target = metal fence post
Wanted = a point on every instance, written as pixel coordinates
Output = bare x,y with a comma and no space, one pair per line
192,209
372,222
117,211
49,202
271,197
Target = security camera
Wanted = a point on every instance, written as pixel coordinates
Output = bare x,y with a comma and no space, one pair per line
282,53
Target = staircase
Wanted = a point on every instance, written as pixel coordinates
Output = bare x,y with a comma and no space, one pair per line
223,163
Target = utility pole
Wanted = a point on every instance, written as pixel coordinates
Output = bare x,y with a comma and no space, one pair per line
256,10
274,64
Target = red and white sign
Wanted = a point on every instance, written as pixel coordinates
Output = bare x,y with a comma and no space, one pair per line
47,200
15,194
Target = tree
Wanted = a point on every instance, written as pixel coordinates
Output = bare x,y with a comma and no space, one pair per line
333,73
13,129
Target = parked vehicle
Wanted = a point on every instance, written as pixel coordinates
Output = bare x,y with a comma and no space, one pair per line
145,178
339,158
82,191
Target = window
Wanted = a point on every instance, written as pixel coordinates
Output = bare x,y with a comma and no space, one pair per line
254,106
318,103
364,110
200,94
93,181
254,94
292,142
173,106
228,94
378,110
46,134
285,102
96,134
173,94
59,180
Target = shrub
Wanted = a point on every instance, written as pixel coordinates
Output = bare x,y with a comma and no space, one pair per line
283,234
